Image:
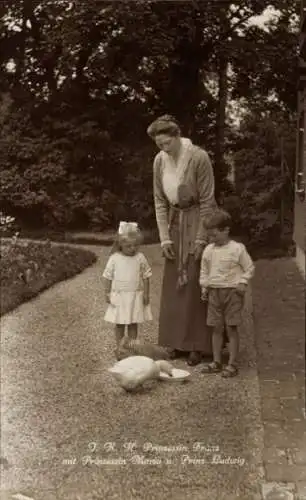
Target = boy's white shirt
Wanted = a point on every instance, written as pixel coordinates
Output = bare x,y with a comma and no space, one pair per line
225,266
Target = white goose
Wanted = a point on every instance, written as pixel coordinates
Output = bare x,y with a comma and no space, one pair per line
133,371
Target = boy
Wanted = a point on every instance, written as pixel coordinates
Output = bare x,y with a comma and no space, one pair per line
226,269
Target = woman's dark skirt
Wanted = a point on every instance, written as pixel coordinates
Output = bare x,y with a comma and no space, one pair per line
182,320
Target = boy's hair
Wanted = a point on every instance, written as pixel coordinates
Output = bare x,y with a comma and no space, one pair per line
135,235
218,220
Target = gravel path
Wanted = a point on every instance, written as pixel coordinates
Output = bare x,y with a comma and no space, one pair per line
60,410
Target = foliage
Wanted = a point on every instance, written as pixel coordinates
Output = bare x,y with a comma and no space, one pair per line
259,72
28,268
6,223
264,176
82,80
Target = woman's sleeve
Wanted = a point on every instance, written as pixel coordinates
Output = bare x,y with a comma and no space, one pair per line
206,190
109,269
160,203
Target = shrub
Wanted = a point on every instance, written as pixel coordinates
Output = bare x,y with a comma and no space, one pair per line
29,268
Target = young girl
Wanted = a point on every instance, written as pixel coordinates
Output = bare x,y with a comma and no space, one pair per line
127,285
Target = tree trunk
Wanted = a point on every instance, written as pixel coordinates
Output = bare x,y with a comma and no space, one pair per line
183,94
221,116
20,66
185,77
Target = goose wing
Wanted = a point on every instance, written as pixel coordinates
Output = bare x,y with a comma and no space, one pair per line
133,370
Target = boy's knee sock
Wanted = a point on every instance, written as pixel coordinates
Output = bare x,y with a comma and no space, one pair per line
233,344
217,343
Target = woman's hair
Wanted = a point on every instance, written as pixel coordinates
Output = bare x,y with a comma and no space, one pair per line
165,124
135,235
218,220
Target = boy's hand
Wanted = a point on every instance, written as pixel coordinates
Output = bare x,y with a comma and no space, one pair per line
146,299
241,288
204,295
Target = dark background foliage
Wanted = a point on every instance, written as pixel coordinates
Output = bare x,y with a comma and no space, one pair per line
80,82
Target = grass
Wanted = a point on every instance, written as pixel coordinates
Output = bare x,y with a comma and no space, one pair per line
266,250
28,268
104,238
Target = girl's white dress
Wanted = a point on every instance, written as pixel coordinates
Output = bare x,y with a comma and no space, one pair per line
126,298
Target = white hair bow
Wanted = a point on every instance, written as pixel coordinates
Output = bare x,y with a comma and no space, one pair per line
125,227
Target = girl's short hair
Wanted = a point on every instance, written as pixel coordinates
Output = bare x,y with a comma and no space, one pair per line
135,235
165,124
218,220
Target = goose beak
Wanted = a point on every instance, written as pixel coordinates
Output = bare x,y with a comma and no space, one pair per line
165,367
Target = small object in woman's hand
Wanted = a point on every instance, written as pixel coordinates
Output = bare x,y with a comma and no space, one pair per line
168,251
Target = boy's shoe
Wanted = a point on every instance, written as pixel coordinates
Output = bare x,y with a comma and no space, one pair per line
213,367
229,371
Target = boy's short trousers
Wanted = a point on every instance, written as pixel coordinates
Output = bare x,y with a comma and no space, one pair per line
224,307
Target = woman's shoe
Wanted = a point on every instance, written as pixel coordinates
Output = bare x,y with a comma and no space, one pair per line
173,354
194,358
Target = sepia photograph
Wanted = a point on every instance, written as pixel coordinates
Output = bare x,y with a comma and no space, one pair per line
152,225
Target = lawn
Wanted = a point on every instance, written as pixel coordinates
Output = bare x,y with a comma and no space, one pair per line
28,268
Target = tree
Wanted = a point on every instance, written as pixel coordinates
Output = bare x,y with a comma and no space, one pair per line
86,78
264,177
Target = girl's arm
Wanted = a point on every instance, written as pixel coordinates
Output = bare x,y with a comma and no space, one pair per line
108,276
146,273
146,291
107,289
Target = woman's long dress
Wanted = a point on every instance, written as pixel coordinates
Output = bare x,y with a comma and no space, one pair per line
182,321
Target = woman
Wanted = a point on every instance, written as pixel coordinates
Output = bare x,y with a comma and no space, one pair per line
183,197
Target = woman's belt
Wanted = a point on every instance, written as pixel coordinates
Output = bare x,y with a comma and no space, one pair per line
182,210
186,207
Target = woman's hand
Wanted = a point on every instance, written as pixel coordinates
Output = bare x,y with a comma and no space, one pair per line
204,294
107,298
168,251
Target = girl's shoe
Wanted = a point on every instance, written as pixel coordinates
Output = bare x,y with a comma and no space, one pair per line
229,371
213,367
